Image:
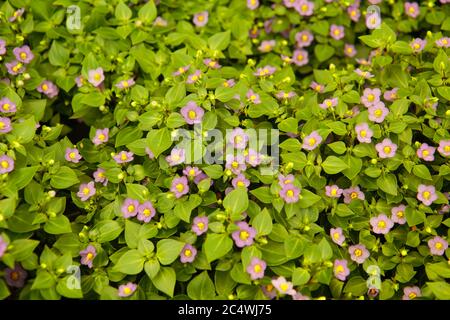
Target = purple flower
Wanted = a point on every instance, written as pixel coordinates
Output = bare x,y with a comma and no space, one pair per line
72,155
311,141
124,157
252,4
240,181
317,87
3,246
381,224
299,296
304,7
176,157
283,286
358,253
437,246
443,42
101,136
426,194
304,38
337,32
23,54
99,176
285,180
200,177
6,164
352,193
329,103
17,14
200,225
188,254
300,57
235,163
417,45
48,88
7,106
96,76
192,78
398,214
378,112
16,277
86,191
333,191
191,172
253,97
364,74
88,255
289,193
149,153
265,71
363,133
371,97
340,269
15,67
353,112
160,22
80,81
192,113
337,236
267,45
349,50
211,63
391,95
386,149
354,13
179,187
285,95
146,212
412,9
244,236
238,138
256,268
229,83
373,21
126,290
269,291
291,3
201,18
129,208
426,152
125,84
181,70
444,148
410,293
253,158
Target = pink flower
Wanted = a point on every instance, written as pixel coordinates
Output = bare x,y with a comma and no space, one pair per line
192,78
299,296
80,81
337,32
201,19
340,269
443,42
426,194
291,3
256,268
417,45
285,180
244,236
283,286
16,277
391,95
179,187
238,138
300,57
240,181
378,112
426,152
99,176
191,172
352,194
363,133
265,71
126,290
6,164
304,7
200,225
160,22
192,113
410,293
7,106
125,84
2,47
88,255
285,95
15,67
337,236
267,45
235,163
290,193
317,87
124,157
333,191
329,103
354,13
349,50
398,214
252,4
386,149
3,246
358,253
444,148
304,38
364,74
129,208
23,54
211,64
312,141
437,246
146,211
17,14
101,136
188,254
86,191
181,70
96,77
48,88
176,157
229,83
149,153
253,97
371,97
412,9
72,155
373,20
381,224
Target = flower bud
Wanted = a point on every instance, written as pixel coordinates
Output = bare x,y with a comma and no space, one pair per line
374,161
51,193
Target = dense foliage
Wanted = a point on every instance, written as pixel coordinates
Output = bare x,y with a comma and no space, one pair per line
106,111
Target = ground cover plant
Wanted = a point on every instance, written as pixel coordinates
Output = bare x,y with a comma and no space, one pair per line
224,149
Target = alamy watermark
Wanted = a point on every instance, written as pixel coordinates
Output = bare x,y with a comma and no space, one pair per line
73,21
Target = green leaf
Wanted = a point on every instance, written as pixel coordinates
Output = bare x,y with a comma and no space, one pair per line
43,280
68,292
107,230
338,147
323,52
444,92
159,141
127,135
165,280
201,287
132,233
123,12
58,55
325,249
440,289
4,291
288,125
23,249
294,247
388,183
137,191
23,176
307,199
236,201
147,13
333,165
219,41
175,94
217,245
58,225
437,271
168,250
422,171
152,268
24,131
396,76
64,178
300,276
414,217
357,286
131,262
263,222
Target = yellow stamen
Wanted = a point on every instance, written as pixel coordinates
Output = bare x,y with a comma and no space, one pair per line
200,225
187,253
72,155
23,55
412,295
358,252
131,208
336,235
339,269
89,256
127,290
378,113
235,164
371,97
333,192
284,287
363,133
400,214
290,193
123,157
311,141
257,268
4,164
353,195
244,235
381,224
426,195
44,87
179,187
387,150
101,137
192,114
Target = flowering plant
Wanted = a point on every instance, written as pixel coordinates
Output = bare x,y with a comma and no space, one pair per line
224,149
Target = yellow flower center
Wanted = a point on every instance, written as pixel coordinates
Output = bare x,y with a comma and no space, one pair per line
181,70
101,137
14,276
146,212
235,164
290,193
187,253
267,47
447,148
44,87
358,252
412,10
257,268
400,214
336,32
353,13
131,208
244,235
412,295
97,77
336,235
299,57
179,187
6,106
378,113
284,287
72,155
318,87
212,63
304,37
86,191
286,95
225,84
252,97
201,225
192,172
328,103
339,269
363,133
416,46
125,84
333,192
371,97
192,114
287,181
444,41
381,224
373,20
311,141
201,18
426,195
425,153
2,125
4,164
238,139
353,195
17,67
194,77
127,290
89,256
240,183
438,245
23,55
304,7
387,149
